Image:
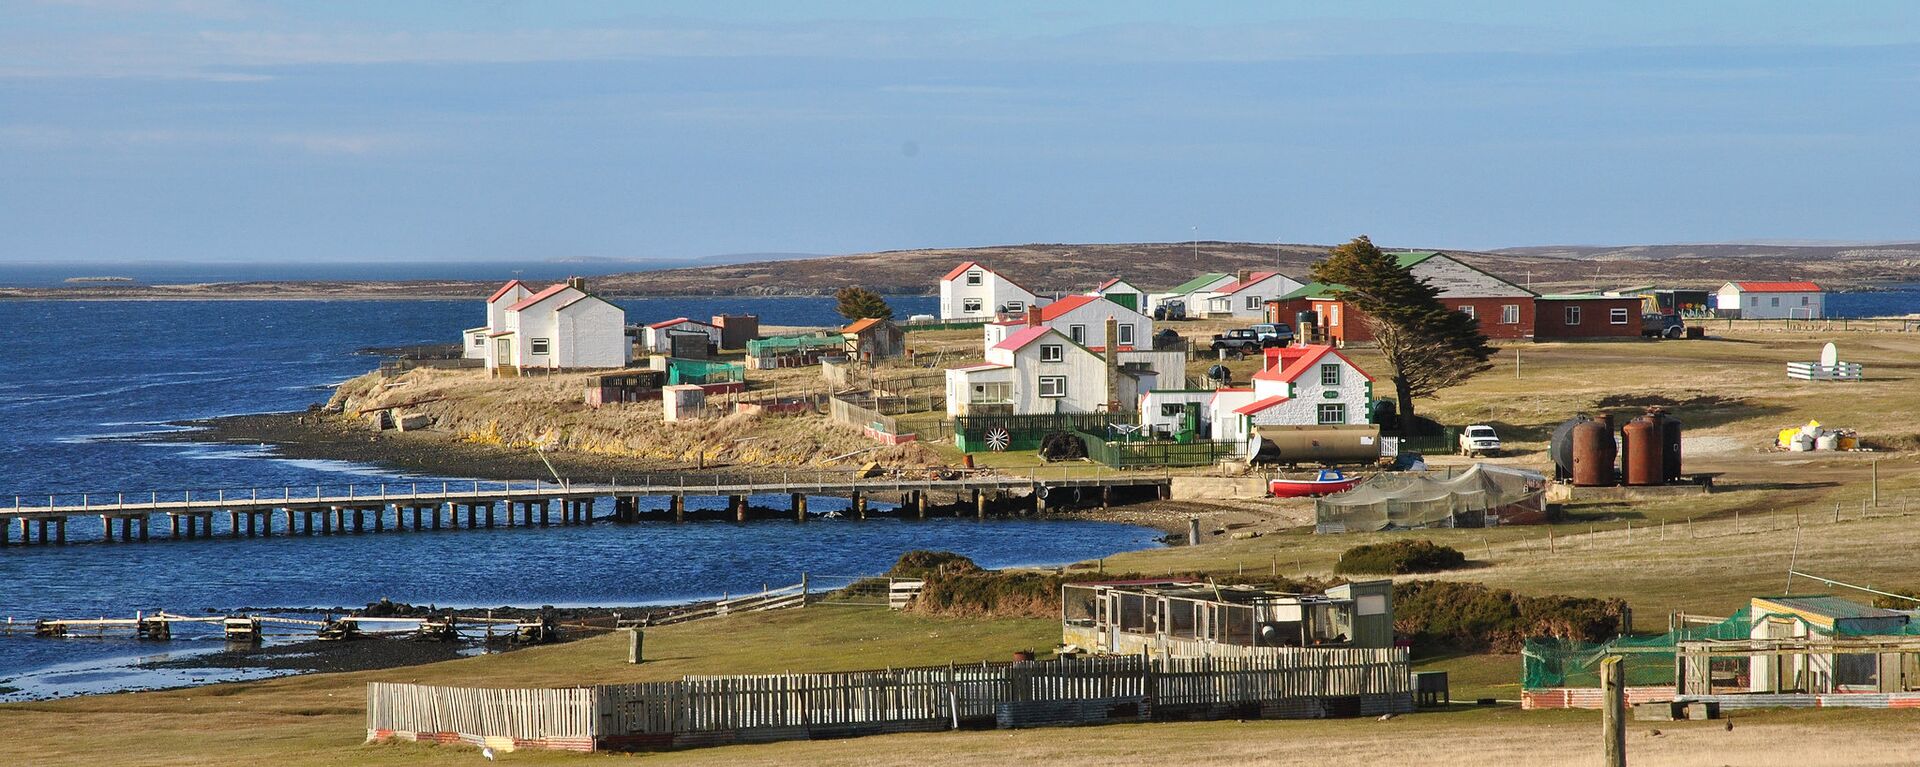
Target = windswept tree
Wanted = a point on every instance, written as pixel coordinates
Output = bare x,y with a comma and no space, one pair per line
858,303
1427,346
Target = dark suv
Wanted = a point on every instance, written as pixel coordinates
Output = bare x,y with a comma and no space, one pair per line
1273,333
1238,341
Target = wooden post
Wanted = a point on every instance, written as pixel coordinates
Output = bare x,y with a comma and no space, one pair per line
859,505
1193,533
143,527
799,507
979,504
679,505
920,503
1875,483
739,505
1613,710
635,638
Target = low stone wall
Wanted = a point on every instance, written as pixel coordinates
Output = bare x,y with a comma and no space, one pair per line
1217,488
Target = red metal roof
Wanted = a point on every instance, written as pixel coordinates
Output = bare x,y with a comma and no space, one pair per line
1778,287
861,324
1286,363
1108,284
678,321
1253,279
1260,405
962,269
1022,337
538,297
511,284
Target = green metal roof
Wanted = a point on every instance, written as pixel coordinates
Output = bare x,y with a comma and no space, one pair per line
1408,258
1198,282
1311,290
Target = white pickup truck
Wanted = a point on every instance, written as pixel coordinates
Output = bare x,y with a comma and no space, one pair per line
1479,439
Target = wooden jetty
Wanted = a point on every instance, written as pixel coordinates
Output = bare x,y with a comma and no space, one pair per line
253,628
361,509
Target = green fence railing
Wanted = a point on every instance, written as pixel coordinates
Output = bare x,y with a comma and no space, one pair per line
1127,454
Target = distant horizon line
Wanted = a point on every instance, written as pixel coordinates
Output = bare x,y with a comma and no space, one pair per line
797,255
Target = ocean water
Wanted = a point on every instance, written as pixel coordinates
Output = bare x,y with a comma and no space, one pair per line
88,384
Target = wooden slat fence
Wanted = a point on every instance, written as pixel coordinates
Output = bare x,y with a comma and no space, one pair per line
700,710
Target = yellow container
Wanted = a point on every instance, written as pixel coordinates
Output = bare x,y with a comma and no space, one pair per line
1848,442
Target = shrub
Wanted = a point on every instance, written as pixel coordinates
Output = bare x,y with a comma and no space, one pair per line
1896,603
1473,617
986,593
921,563
1400,558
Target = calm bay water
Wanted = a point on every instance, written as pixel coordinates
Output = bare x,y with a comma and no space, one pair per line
86,380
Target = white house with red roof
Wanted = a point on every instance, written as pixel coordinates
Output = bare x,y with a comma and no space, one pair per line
562,327
1771,300
1083,319
473,344
1245,297
658,337
1298,386
974,292
1038,370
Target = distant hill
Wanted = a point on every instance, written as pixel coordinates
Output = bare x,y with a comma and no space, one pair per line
1051,268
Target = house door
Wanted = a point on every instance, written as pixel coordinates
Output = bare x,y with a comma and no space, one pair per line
503,352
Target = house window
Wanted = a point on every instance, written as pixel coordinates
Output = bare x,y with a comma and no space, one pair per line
970,306
1053,386
1172,409
1467,309
1573,315
1334,313
478,341
1253,302
1510,314
1774,301
1617,316
1015,307
537,346
1052,352
1329,375
1755,302
1078,333
1803,300
1333,413
1126,333
973,278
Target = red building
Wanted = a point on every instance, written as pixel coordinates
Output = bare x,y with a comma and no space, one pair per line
1587,316
1505,310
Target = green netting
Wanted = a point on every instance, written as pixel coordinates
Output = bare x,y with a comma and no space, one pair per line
765,347
685,371
1649,660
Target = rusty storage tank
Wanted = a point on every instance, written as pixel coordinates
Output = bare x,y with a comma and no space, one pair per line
1670,447
1560,446
1593,454
1640,459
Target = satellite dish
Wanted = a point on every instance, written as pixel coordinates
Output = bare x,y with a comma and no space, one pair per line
1829,356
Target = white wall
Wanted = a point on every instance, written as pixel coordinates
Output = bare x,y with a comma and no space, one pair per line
993,291
591,333
1151,404
1227,426
1308,394
1093,318
1236,303
473,343
1762,306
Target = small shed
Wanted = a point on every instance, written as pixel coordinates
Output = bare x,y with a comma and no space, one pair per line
624,386
737,329
683,402
874,339
1748,300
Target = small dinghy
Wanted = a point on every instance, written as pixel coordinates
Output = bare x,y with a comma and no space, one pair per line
1327,481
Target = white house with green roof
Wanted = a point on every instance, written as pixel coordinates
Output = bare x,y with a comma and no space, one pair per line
1185,292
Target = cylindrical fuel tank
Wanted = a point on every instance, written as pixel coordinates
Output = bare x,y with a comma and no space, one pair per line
1670,448
1560,446
1640,445
1592,454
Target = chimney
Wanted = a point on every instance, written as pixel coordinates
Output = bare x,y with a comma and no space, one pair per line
1244,275
1113,364
577,283
1033,316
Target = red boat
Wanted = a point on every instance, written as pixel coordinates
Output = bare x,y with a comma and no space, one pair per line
1327,482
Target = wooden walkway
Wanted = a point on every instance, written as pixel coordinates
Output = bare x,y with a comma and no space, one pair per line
363,508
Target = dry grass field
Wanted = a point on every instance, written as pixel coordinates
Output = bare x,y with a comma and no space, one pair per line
1686,551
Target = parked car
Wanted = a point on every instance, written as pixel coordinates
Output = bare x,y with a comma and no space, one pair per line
1273,333
1479,439
1170,310
1238,341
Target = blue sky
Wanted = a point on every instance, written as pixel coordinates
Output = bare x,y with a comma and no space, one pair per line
236,130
